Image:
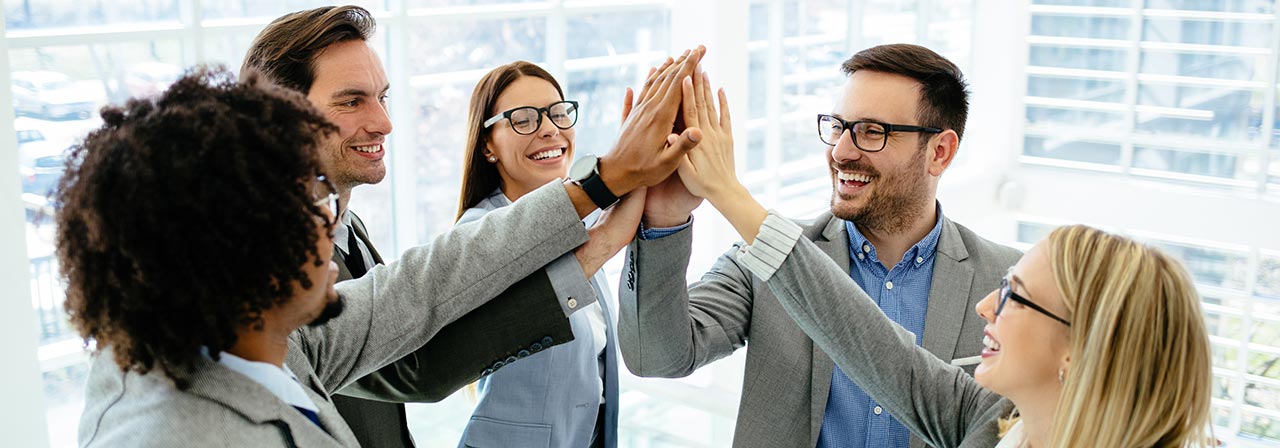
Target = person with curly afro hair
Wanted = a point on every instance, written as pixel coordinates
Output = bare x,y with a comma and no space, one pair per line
195,240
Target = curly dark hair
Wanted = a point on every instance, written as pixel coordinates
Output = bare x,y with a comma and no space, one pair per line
184,217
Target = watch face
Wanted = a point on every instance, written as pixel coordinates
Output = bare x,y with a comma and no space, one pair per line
583,167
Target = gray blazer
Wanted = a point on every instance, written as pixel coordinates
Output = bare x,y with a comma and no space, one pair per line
391,311
938,402
668,329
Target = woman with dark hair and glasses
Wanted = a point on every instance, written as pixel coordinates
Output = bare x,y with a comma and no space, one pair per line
521,137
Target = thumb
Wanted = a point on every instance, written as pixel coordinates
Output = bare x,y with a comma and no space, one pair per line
686,141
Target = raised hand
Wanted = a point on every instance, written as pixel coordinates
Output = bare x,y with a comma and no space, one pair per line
644,154
612,232
709,169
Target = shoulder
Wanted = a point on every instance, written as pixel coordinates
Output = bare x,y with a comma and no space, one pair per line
151,414
987,251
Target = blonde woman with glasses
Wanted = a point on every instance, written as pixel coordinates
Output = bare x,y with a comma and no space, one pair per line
1093,340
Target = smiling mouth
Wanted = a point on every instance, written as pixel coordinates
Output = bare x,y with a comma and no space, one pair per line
547,154
990,343
368,149
853,179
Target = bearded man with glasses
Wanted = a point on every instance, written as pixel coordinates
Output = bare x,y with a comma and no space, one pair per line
894,129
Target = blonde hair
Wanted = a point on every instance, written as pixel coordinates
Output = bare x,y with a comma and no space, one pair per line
1140,366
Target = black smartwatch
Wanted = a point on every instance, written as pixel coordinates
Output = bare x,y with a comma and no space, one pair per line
586,173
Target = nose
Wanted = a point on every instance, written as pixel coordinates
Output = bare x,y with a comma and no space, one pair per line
546,128
986,308
379,120
845,149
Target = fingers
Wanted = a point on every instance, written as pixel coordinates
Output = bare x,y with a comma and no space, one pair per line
647,90
666,77
628,101
684,69
725,121
687,140
705,109
689,103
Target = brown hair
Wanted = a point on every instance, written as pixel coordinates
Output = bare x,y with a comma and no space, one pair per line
286,49
944,95
184,217
479,177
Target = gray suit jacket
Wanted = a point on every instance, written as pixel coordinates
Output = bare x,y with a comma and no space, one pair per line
668,329
939,403
525,313
391,311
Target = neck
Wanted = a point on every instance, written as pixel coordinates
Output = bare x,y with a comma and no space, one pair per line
268,344
514,192
1038,417
891,244
344,199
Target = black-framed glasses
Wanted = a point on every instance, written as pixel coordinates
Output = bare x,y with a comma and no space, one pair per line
526,120
326,195
869,136
1006,293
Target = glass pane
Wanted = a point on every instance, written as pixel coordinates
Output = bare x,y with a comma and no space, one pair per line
756,84
610,34
1084,119
1221,416
599,93
1266,332
1226,357
1223,387
228,9
1251,6
28,14
1264,365
73,82
1210,267
439,170
888,21
814,18
1207,32
1224,325
1225,166
64,402
1266,429
1210,112
755,149
1268,278
1202,65
1108,3
800,140
1104,90
429,3
758,29
1073,150
1072,57
439,47
1080,26
1032,232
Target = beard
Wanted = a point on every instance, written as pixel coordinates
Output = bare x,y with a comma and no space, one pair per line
332,308
895,202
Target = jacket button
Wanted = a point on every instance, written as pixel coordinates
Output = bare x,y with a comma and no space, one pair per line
546,341
573,303
535,346
498,365
522,353
486,372
511,359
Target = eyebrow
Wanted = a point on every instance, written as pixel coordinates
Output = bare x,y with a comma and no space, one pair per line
864,118
352,91
1014,279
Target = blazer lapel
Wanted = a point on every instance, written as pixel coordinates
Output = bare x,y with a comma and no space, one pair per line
242,395
363,233
948,294
834,241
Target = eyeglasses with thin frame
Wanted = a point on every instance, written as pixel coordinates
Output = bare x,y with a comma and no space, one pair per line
1006,293
869,136
326,195
528,119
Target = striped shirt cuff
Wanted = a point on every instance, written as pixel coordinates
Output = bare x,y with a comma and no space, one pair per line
777,237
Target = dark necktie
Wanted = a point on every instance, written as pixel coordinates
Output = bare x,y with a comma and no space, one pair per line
311,415
355,258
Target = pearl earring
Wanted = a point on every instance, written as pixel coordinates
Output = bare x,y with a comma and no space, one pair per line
1062,375
493,159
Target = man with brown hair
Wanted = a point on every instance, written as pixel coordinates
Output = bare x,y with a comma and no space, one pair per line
894,129
324,54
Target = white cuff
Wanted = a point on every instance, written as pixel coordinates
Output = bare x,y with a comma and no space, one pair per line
776,238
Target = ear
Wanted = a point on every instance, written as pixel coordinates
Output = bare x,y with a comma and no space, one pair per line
942,151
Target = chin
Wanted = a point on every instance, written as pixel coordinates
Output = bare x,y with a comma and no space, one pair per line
332,309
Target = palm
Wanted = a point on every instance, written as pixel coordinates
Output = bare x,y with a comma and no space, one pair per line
669,203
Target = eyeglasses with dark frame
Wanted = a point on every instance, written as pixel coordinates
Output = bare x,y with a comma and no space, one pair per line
326,195
869,136
528,119
1006,293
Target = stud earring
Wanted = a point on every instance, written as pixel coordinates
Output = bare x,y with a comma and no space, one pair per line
493,159
1062,375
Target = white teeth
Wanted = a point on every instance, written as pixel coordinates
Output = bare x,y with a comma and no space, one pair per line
853,177
990,343
368,149
550,153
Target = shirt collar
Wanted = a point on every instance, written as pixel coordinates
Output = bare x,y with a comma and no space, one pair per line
280,381
920,252
342,233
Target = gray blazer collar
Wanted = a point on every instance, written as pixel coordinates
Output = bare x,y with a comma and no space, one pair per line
213,382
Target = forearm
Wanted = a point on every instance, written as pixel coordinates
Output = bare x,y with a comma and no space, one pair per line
741,210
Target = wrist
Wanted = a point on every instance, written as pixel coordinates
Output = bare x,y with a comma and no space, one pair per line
656,220
614,176
724,194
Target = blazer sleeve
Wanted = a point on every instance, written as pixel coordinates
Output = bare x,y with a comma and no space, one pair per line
525,317
667,328
397,308
938,402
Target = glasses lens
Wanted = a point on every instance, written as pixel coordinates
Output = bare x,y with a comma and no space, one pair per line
563,114
870,136
829,129
1005,291
525,120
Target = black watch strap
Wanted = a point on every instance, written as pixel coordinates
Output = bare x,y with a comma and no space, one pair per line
599,193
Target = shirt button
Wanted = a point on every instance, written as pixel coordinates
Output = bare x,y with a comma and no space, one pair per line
866,248
573,303
877,410
919,260
888,285
546,341
860,256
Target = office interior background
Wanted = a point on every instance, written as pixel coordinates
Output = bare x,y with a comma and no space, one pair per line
1153,118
